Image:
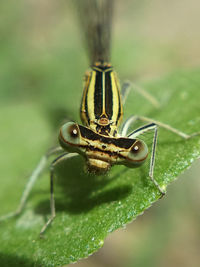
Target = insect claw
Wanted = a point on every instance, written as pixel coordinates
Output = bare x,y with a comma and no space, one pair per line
162,190
163,193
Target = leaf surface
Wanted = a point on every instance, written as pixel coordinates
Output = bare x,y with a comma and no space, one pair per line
88,207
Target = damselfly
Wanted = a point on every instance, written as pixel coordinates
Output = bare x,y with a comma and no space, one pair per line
100,140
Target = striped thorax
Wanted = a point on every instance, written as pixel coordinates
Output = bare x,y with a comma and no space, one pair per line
101,107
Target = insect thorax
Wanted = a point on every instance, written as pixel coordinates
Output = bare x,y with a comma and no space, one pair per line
101,107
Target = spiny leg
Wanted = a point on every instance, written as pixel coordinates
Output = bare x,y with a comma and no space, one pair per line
125,90
127,124
31,181
52,200
126,86
132,119
153,125
152,162
142,130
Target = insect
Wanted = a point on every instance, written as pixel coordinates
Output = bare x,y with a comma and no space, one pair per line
100,140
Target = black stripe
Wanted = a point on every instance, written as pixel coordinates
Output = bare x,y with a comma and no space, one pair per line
85,104
98,96
110,153
118,142
108,95
142,128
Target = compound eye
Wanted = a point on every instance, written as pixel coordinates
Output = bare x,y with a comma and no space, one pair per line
70,134
138,152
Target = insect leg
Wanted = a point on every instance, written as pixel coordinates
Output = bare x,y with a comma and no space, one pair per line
125,90
52,200
141,130
138,131
127,124
126,86
152,162
31,181
160,124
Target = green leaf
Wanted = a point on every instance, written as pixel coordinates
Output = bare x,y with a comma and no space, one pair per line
88,207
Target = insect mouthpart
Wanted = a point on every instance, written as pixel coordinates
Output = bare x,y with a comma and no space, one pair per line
97,166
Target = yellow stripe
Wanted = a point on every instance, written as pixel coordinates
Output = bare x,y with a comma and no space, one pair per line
90,96
115,97
119,98
83,109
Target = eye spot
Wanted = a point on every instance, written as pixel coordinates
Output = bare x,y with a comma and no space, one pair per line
137,147
103,146
73,131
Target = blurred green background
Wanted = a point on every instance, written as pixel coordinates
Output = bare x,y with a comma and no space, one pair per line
42,62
